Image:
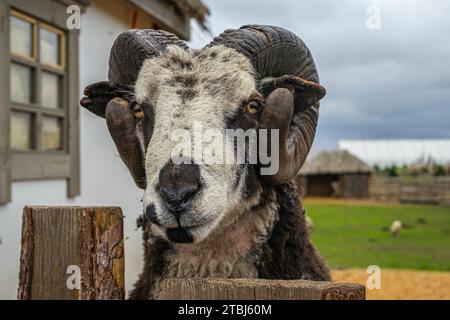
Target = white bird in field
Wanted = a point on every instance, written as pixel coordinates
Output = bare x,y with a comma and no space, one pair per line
396,226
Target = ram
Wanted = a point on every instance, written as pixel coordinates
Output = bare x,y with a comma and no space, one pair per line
214,220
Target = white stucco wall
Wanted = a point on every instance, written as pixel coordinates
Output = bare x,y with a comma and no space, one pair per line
104,178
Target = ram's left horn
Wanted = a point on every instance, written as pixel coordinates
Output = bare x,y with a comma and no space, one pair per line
122,127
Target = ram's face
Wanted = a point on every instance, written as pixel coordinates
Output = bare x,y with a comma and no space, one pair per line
183,96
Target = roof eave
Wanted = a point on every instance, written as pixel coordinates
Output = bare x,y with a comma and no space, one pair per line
166,15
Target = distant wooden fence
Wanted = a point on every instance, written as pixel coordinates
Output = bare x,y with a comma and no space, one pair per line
433,190
78,253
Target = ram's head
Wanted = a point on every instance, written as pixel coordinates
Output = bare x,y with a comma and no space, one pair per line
256,77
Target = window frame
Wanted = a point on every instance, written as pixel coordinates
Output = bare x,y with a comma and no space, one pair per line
40,164
19,15
35,107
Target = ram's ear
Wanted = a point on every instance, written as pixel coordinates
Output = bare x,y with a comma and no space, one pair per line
97,96
306,93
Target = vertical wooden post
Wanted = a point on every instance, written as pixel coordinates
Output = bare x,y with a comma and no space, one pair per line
5,109
59,244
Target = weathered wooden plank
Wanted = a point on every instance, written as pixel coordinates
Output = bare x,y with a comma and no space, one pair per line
258,289
56,240
26,256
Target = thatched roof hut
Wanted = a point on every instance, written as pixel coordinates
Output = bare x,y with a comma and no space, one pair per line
335,173
334,162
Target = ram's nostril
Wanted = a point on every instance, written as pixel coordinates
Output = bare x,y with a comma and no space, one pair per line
178,199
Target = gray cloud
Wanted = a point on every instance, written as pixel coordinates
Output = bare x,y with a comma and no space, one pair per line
387,83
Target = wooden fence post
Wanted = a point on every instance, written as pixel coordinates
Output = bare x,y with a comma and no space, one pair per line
60,244
259,289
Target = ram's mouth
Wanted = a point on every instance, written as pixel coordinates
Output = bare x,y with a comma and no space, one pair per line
180,235
190,234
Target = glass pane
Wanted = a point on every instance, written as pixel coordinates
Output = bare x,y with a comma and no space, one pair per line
21,39
20,135
50,90
20,89
49,47
51,133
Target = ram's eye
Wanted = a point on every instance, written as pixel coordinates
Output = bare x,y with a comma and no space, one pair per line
252,107
138,111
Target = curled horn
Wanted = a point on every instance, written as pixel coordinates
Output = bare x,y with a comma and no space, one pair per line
122,127
113,99
130,50
289,80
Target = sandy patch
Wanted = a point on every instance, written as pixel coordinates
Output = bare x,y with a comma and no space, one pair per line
401,284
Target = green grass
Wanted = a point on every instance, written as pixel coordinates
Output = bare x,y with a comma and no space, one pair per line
353,235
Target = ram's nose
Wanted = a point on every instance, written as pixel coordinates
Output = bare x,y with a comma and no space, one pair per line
178,185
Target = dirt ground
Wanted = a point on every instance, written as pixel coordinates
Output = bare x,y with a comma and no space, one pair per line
401,284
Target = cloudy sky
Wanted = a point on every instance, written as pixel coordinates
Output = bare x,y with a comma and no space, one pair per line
393,82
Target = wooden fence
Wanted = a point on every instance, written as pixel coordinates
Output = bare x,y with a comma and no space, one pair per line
428,189
78,253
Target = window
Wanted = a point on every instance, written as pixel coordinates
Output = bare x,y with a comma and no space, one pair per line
37,77
39,99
